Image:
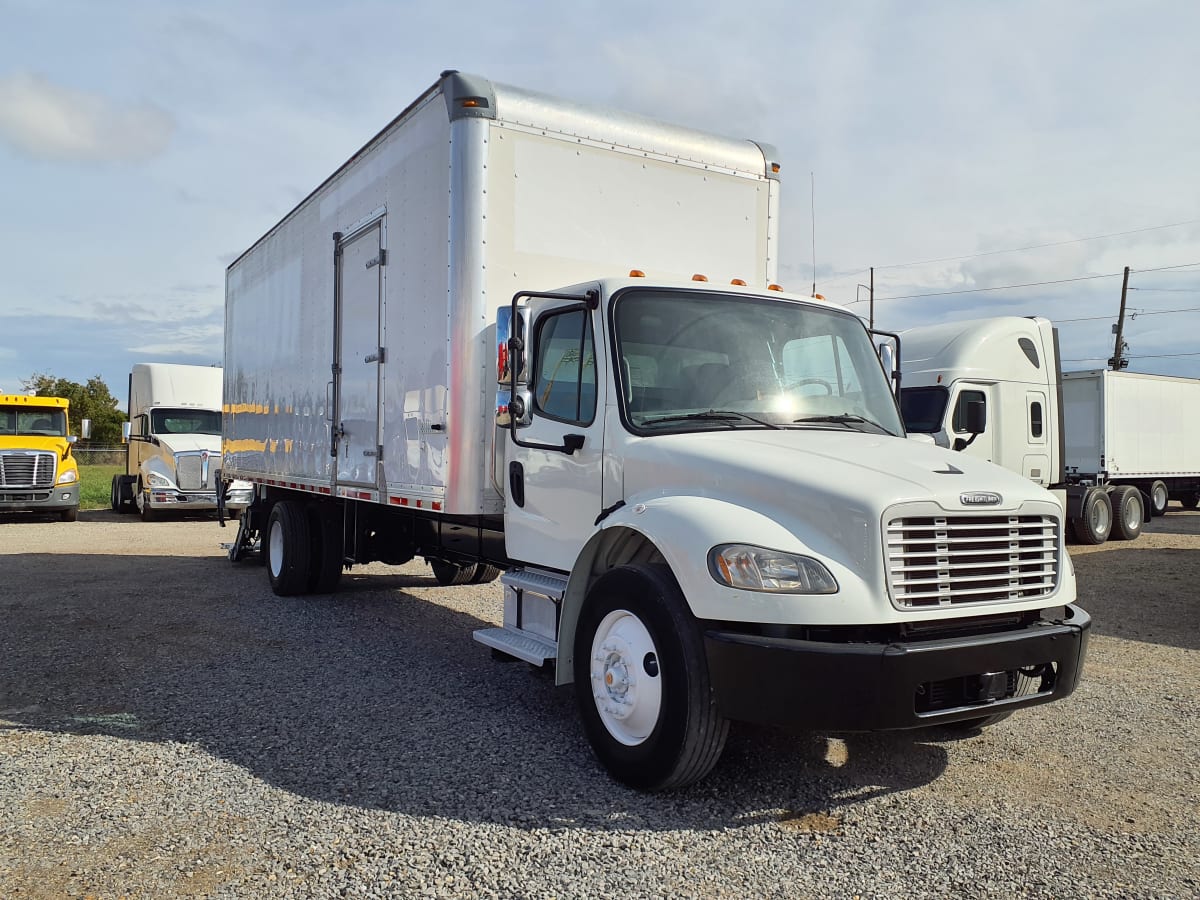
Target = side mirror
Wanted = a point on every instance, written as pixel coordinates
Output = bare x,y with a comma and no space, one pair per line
513,412
85,428
887,356
125,430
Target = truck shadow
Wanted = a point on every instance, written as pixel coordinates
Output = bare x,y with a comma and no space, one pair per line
1141,593
375,698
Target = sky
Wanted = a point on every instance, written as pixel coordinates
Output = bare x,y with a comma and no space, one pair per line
985,158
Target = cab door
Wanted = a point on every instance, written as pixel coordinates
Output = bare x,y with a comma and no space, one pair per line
555,449
359,352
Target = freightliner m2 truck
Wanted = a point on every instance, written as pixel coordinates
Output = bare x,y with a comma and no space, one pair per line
514,333
37,469
1115,446
173,444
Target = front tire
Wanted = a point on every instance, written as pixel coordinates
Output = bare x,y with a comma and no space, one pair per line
287,548
69,515
147,513
641,681
1127,512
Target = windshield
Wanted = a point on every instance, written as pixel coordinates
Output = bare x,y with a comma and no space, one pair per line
692,360
185,421
26,420
923,408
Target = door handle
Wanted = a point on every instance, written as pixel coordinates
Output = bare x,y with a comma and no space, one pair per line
516,483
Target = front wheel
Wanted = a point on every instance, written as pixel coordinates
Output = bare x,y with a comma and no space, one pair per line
641,681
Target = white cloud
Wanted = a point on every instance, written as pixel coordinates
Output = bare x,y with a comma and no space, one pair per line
47,121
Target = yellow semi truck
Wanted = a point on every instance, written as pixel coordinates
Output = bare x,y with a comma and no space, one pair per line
38,472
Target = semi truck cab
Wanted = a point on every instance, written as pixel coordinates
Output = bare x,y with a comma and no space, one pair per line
38,472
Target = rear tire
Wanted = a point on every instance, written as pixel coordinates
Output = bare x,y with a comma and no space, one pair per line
641,681
286,547
327,552
485,574
1158,498
1190,501
1095,518
69,515
114,497
450,574
1127,512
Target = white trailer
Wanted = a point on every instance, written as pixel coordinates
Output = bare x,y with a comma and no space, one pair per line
173,444
487,340
1136,429
1113,446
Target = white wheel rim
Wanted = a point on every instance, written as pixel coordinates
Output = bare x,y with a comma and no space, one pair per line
275,548
1100,519
1133,515
628,697
1160,497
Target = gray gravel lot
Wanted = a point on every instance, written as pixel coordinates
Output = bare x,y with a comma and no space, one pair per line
168,727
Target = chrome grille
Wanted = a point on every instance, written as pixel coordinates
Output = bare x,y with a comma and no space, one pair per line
28,469
944,560
189,472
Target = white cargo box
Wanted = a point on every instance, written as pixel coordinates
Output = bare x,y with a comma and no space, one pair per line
367,315
1130,425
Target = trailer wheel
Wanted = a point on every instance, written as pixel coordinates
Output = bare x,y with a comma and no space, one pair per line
641,681
450,574
1127,512
1190,501
1095,518
287,548
1158,498
485,574
327,554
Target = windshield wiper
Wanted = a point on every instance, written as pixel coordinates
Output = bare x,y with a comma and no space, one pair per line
727,416
842,419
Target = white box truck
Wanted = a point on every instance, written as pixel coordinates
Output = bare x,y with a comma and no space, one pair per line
1113,446
487,340
173,444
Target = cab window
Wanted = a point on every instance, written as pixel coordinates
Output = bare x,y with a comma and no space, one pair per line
565,369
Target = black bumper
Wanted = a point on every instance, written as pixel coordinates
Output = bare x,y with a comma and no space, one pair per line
901,684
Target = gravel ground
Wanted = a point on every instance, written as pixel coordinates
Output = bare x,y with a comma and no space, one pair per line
168,727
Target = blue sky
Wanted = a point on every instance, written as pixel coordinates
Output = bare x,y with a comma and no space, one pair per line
144,145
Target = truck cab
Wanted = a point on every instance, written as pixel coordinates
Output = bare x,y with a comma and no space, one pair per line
38,472
993,389
173,443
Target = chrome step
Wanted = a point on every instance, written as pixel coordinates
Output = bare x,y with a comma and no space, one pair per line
536,581
521,644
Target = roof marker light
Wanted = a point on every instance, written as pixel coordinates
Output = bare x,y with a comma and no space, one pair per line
774,287
738,281
636,273
698,277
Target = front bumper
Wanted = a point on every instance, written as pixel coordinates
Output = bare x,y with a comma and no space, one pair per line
163,499
56,499
900,684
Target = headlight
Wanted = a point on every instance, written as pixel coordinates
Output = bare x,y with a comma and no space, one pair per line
68,477
759,569
159,481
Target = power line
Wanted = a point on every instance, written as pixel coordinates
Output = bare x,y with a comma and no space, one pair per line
1003,287
1141,356
1167,290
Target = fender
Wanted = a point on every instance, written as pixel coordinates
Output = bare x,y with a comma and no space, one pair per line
681,530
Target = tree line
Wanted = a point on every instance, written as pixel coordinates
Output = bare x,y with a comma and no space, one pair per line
88,401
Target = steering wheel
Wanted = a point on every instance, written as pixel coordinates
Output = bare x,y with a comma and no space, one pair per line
804,382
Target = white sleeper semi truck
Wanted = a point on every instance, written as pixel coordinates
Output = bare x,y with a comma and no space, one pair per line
173,444
518,334
1115,446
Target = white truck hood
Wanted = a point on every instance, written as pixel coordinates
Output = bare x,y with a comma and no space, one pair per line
178,443
848,469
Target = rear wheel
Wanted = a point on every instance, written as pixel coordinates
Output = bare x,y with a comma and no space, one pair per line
1095,518
327,553
641,681
69,515
1190,501
114,497
287,548
1127,512
485,574
1158,498
450,574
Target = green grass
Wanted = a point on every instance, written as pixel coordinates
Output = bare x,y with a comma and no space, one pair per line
95,485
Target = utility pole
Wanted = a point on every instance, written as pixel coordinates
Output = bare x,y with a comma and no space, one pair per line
1118,362
871,294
